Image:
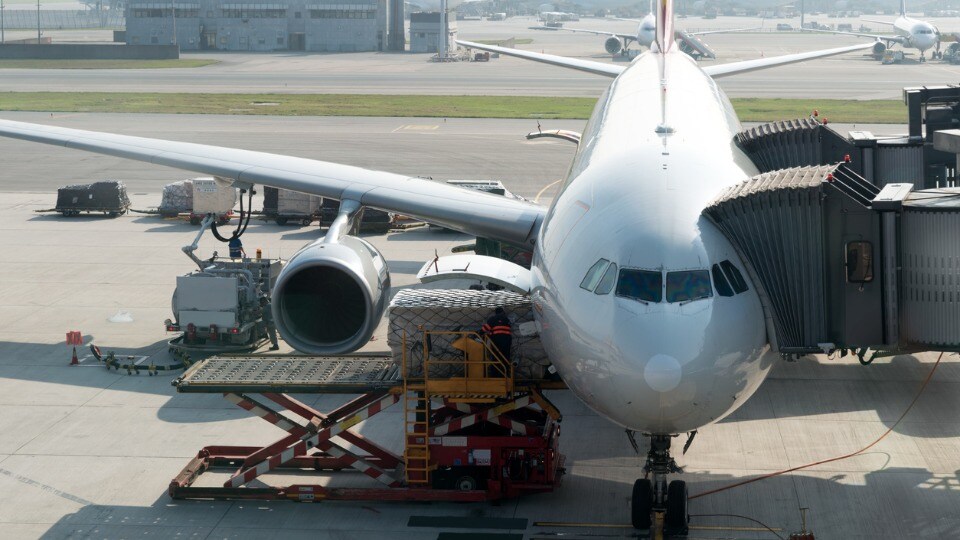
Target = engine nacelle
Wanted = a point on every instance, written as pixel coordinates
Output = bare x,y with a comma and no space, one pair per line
330,296
879,49
613,44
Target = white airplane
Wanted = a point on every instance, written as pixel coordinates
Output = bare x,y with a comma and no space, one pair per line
644,36
910,33
644,306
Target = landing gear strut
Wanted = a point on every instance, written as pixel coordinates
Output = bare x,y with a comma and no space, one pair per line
655,494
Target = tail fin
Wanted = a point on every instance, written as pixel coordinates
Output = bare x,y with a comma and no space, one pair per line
665,37
903,8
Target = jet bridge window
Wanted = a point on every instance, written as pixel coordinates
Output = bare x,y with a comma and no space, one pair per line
594,274
859,262
643,285
688,285
736,278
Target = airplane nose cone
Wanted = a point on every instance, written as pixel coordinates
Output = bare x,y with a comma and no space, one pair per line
663,373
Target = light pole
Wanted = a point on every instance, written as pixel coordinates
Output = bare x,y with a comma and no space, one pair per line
174,12
38,22
2,40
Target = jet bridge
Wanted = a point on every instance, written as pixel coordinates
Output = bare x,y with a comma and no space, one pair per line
843,264
694,46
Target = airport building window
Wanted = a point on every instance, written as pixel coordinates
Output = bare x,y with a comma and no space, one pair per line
607,281
643,285
254,11
720,282
152,11
279,41
736,278
688,285
859,262
594,274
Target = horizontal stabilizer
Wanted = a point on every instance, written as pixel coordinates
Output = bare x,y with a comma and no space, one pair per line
597,68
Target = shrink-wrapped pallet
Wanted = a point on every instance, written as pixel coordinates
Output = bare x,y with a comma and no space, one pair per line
177,198
460,310
294,203
209,197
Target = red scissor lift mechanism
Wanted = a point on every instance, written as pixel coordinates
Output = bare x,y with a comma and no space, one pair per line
477,436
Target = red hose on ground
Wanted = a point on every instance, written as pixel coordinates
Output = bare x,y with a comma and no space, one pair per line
838,458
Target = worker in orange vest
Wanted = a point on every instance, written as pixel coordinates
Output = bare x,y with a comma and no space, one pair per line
497,330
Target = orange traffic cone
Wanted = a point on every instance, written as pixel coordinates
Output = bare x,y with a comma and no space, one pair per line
74,361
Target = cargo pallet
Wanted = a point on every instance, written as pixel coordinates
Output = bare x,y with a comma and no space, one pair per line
476,436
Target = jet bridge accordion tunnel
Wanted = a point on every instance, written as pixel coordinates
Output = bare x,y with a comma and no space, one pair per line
839,262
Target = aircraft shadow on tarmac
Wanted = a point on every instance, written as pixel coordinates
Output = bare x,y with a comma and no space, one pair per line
896,503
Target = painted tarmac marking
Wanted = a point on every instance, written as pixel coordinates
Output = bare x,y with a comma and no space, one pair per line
417,127
45,487
545,188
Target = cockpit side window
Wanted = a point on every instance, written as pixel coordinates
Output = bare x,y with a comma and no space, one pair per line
594,274
688,285
607,281
720,282
736,278
643,285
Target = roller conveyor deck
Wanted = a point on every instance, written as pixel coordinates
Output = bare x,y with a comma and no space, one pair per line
349,374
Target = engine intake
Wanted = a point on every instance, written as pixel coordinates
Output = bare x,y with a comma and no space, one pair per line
613,45
879,49
330,296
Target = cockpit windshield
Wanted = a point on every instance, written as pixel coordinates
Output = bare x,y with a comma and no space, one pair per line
688,285
643,285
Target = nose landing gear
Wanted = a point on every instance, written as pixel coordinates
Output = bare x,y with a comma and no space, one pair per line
656,496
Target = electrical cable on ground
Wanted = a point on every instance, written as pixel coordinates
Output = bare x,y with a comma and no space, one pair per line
757,521
838,458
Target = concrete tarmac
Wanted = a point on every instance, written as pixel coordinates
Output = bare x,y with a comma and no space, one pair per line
851,76
86,452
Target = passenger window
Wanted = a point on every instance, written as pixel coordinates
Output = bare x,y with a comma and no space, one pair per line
594,274
688,286
643,285
720,282
859,262
736,278
607,281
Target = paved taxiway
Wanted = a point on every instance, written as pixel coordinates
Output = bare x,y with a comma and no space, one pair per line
89,453
851,76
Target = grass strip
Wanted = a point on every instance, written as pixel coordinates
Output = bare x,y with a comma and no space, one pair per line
107,64
748,109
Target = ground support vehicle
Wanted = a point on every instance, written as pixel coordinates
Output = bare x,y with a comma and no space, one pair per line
480,435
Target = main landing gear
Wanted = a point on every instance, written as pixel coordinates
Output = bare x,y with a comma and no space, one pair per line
653,495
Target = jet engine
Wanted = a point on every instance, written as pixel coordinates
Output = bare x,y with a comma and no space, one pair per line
329,298
879,49
613,44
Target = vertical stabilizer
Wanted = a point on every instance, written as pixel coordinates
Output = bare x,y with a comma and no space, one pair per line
664,10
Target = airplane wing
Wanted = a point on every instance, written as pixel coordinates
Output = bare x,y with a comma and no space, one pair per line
627,37
733,68
889,23
597,68
732,30
466,210
895,39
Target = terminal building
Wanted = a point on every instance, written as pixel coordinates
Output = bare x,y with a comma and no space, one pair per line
426,32
318,25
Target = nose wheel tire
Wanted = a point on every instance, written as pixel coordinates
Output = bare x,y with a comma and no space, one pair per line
641,505
677,518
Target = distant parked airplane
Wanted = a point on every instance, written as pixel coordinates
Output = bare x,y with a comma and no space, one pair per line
910,33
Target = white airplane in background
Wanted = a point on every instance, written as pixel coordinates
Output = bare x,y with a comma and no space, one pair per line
644,306
645,35
910,33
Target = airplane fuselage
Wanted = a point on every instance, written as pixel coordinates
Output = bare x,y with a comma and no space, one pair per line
917,34
647,30
653,350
